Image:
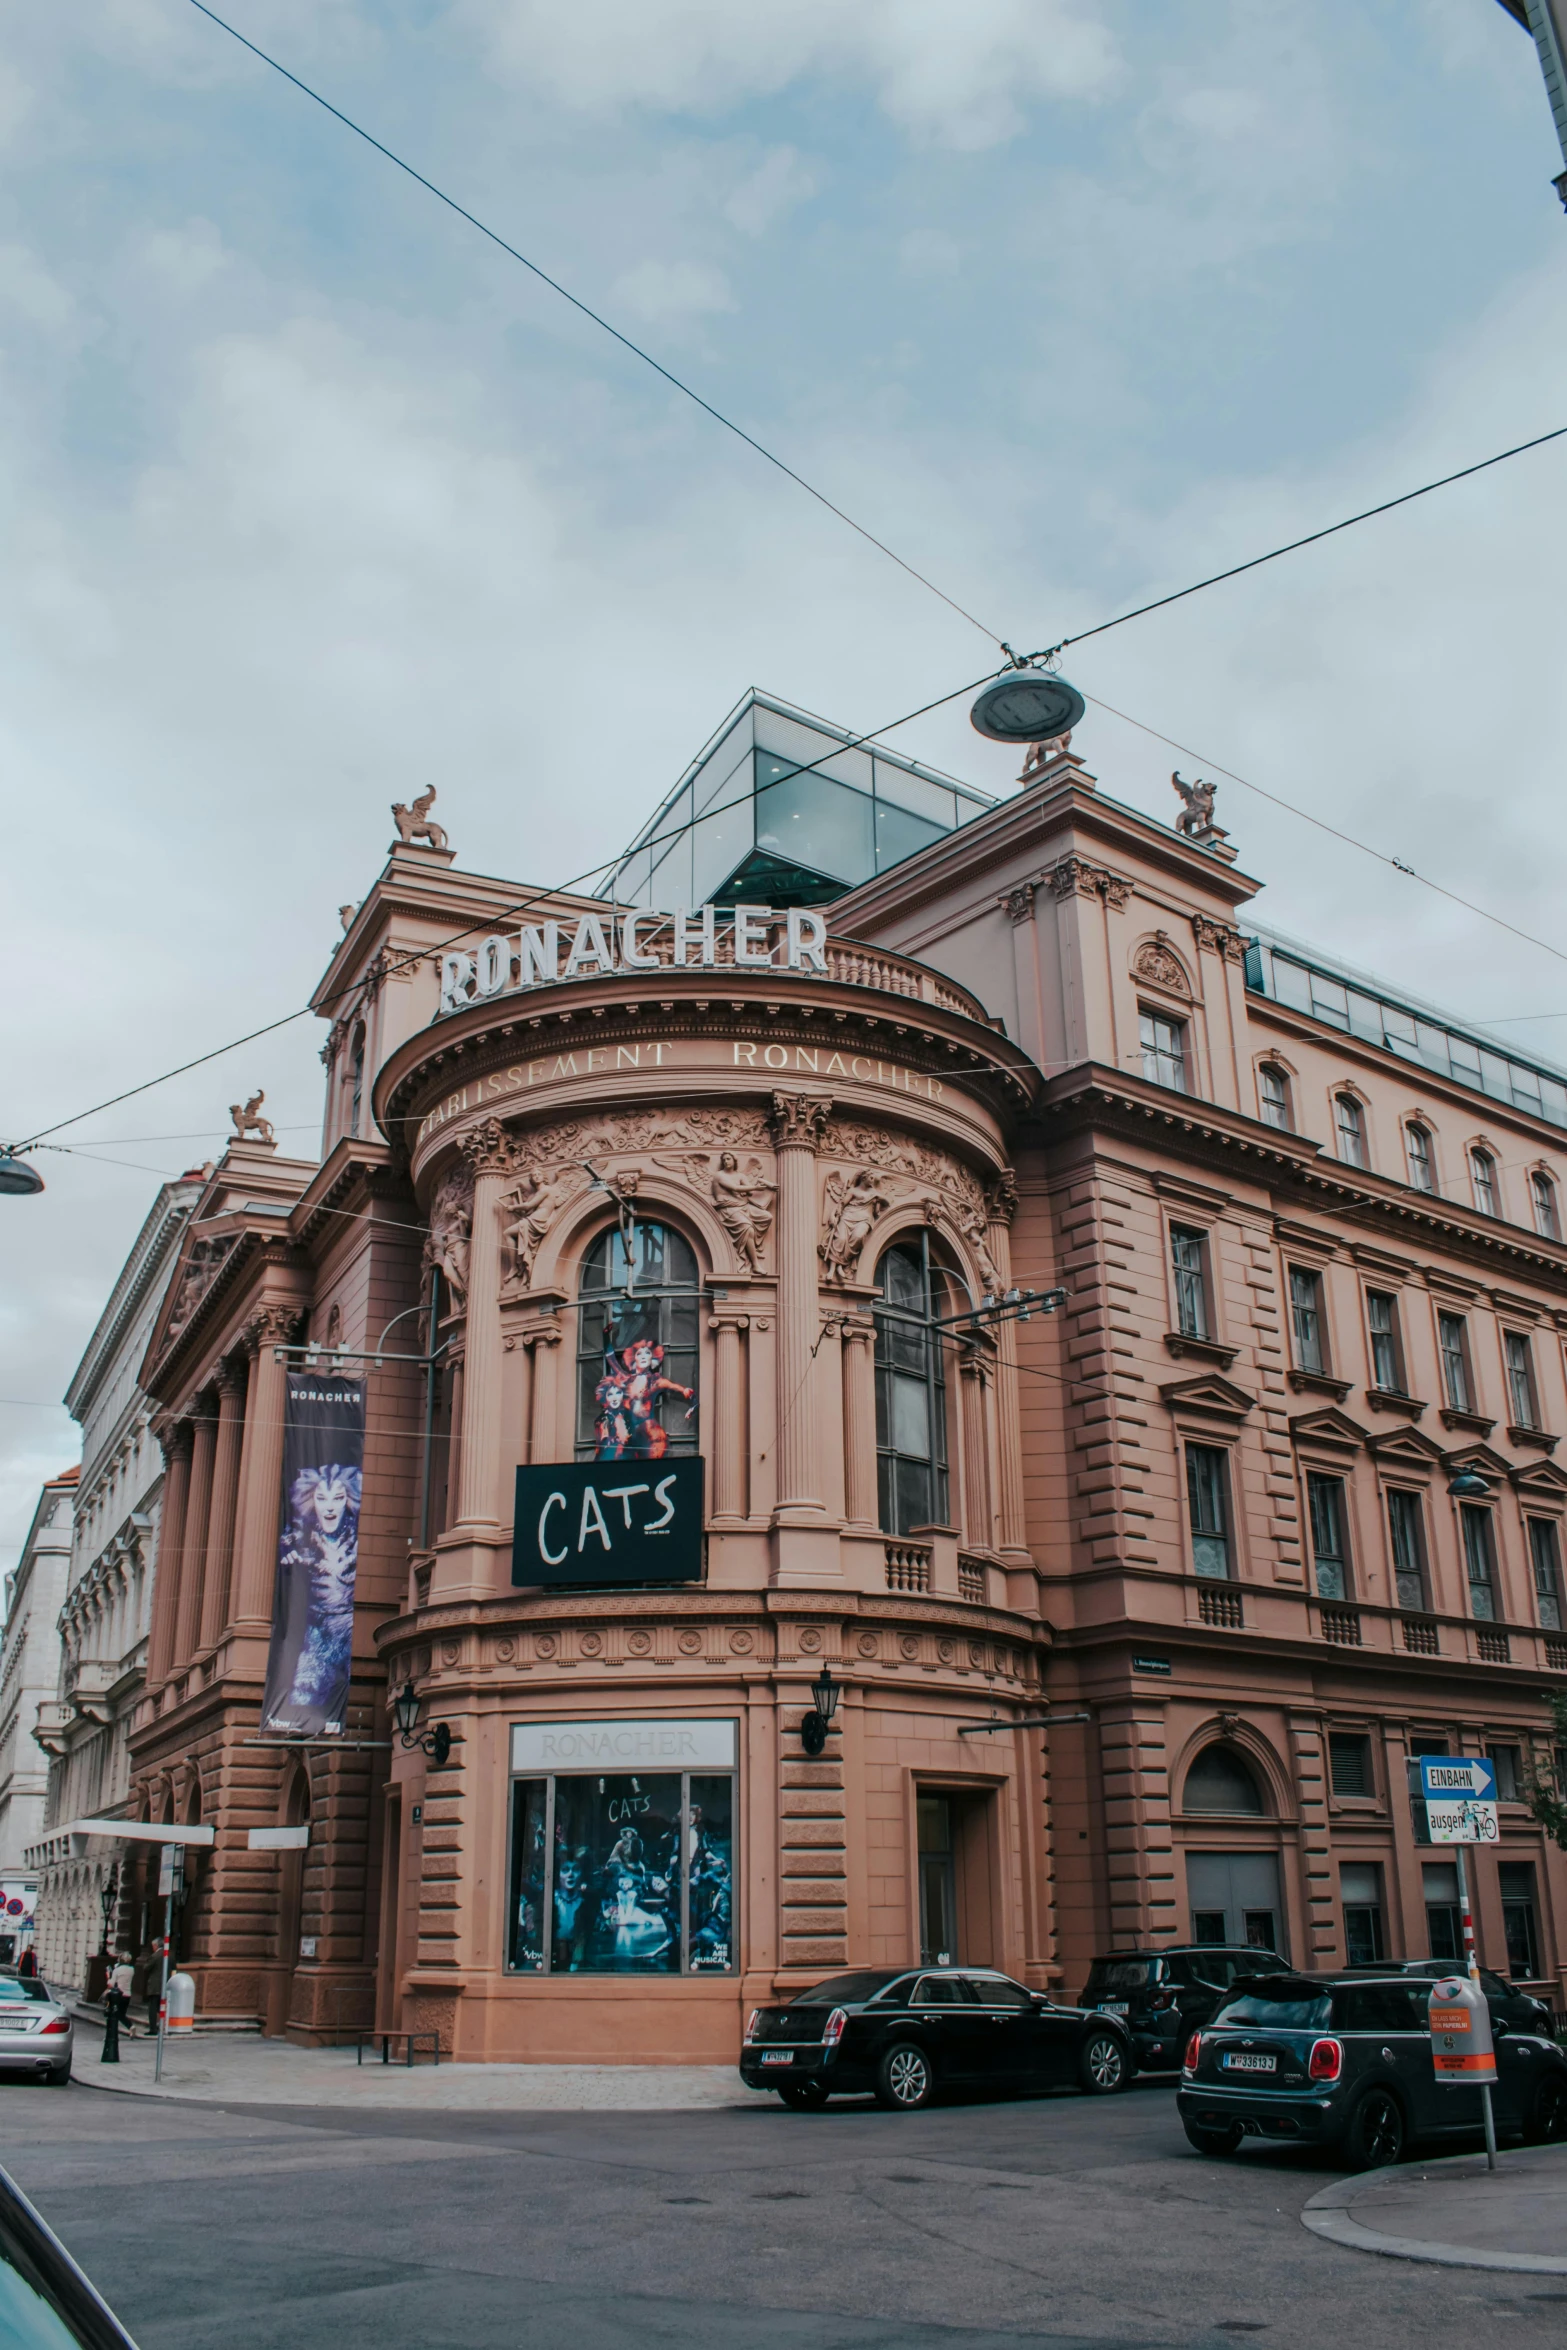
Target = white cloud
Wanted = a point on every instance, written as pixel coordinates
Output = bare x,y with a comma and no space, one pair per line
31,293
962,76
929,252
668,292
781,182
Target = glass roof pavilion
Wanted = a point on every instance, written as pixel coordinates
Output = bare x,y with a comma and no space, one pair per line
744,822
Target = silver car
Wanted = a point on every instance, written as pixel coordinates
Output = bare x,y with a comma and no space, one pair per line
36,2032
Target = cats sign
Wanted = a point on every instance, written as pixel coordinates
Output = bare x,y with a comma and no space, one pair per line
591,1523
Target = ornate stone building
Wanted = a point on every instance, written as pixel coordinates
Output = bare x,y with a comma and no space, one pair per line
84,1726
29,1671
604,1185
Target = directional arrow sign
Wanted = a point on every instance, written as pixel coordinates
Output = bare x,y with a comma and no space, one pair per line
1456,1778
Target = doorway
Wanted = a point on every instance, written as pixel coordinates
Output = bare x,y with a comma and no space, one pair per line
1234,1898
959,1876
938,1882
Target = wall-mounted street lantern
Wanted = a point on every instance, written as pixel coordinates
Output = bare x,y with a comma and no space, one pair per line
436,1743
815,1726
1469,1485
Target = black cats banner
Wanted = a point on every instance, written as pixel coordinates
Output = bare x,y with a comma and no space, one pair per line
311,1656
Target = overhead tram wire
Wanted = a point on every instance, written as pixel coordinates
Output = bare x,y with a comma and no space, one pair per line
588,312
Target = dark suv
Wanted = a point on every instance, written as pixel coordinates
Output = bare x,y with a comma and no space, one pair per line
1162,1995
1344,2061
1520,2010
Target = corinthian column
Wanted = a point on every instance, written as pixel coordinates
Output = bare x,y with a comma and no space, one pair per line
1000,1207
489,1153
198,1511
727,1501
797,1123
175,1444
261,1467
861,1507
232,1379
978,1515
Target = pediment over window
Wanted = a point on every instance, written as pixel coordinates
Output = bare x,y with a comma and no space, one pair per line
1334,1429
1539,1481
1478,1456
1406,1450
1213,1397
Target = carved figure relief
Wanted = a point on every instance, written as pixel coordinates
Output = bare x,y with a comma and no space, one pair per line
1001,1198
873,1146
450,1237
1219,938
527,1212
971,1224
643,1133
1157,962
248,1120
1077,875
742,1197
416,823
201,1270
850,1212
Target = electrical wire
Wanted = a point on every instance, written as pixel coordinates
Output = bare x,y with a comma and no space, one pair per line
1292,546
586,311
510,913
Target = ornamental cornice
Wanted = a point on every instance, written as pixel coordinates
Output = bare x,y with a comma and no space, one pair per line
1076,876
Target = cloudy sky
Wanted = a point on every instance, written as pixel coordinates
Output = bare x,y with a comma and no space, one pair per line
311,498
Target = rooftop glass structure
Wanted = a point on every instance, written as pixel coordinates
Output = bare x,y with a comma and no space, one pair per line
1361,1006
744,821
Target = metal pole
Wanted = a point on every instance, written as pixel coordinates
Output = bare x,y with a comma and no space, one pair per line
1475,1985
163,2002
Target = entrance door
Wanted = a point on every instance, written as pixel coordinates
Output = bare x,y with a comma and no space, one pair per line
938,1883
1234,1898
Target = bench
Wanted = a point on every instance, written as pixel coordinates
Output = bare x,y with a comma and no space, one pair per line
414,2040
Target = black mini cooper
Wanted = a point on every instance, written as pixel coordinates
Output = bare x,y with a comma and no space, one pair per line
905,2033
1344,2062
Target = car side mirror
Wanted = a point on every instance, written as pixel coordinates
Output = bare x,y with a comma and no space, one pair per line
1500,2027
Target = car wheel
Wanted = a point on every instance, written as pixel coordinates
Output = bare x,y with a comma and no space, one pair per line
58,2075
1547,2123
803,2096
1225,2141
1375,2134
904,2079
1103,2067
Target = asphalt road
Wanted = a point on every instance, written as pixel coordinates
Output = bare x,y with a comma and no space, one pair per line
1045,2225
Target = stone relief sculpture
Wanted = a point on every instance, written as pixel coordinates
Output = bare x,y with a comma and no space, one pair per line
416,823
527,1212
642,1134
742,1197
201,1270
850,1213
929,1169
451,1232
1157,962
248,1120
970,1223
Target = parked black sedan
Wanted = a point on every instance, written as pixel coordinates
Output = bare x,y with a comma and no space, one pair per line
1163,1995
1344,2061
905,2033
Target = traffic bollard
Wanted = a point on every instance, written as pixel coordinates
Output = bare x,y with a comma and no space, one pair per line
111,2029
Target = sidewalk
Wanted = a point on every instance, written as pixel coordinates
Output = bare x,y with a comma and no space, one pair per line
1455,2212
238,2068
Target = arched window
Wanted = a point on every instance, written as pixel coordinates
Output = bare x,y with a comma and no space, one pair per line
1273,1089
911,1392
1482,1172
1417,1142
1547,1222
637,1346
1219,1780
1349,1120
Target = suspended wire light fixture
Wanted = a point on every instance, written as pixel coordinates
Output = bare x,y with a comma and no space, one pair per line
1026,705
17,1176
1469,1485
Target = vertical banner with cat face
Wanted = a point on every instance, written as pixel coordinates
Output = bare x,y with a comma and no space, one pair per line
311,1656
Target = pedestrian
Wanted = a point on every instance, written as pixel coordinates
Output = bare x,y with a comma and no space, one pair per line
27,1965
121,1978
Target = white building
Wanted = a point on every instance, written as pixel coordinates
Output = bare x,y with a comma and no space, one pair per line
29,1675
104,1604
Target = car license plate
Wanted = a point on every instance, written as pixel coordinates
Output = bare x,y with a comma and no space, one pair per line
1251,2064
1112,2007
778,2056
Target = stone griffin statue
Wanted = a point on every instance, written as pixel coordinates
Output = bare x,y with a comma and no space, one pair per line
849,1216
1196,818
248,1120
416,823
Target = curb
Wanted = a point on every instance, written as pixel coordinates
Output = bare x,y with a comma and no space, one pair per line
1327,2216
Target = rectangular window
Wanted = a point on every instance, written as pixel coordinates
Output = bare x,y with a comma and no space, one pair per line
1507,1763
1420,1169
1188,1254
1519,1920
1207,1492
1408,1543
1520,1380
1164,1051
1273,1087
1360,1890
622,1872
1545,1558
1329,1550
1444,1932
1382,1321
1306,1317
1349,1763
1480,1561
1453,1341
1349,1120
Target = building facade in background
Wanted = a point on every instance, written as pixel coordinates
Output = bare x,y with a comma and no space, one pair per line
29,1676
84,1726
615,1198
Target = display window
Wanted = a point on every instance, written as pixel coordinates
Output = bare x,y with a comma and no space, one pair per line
622,1871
